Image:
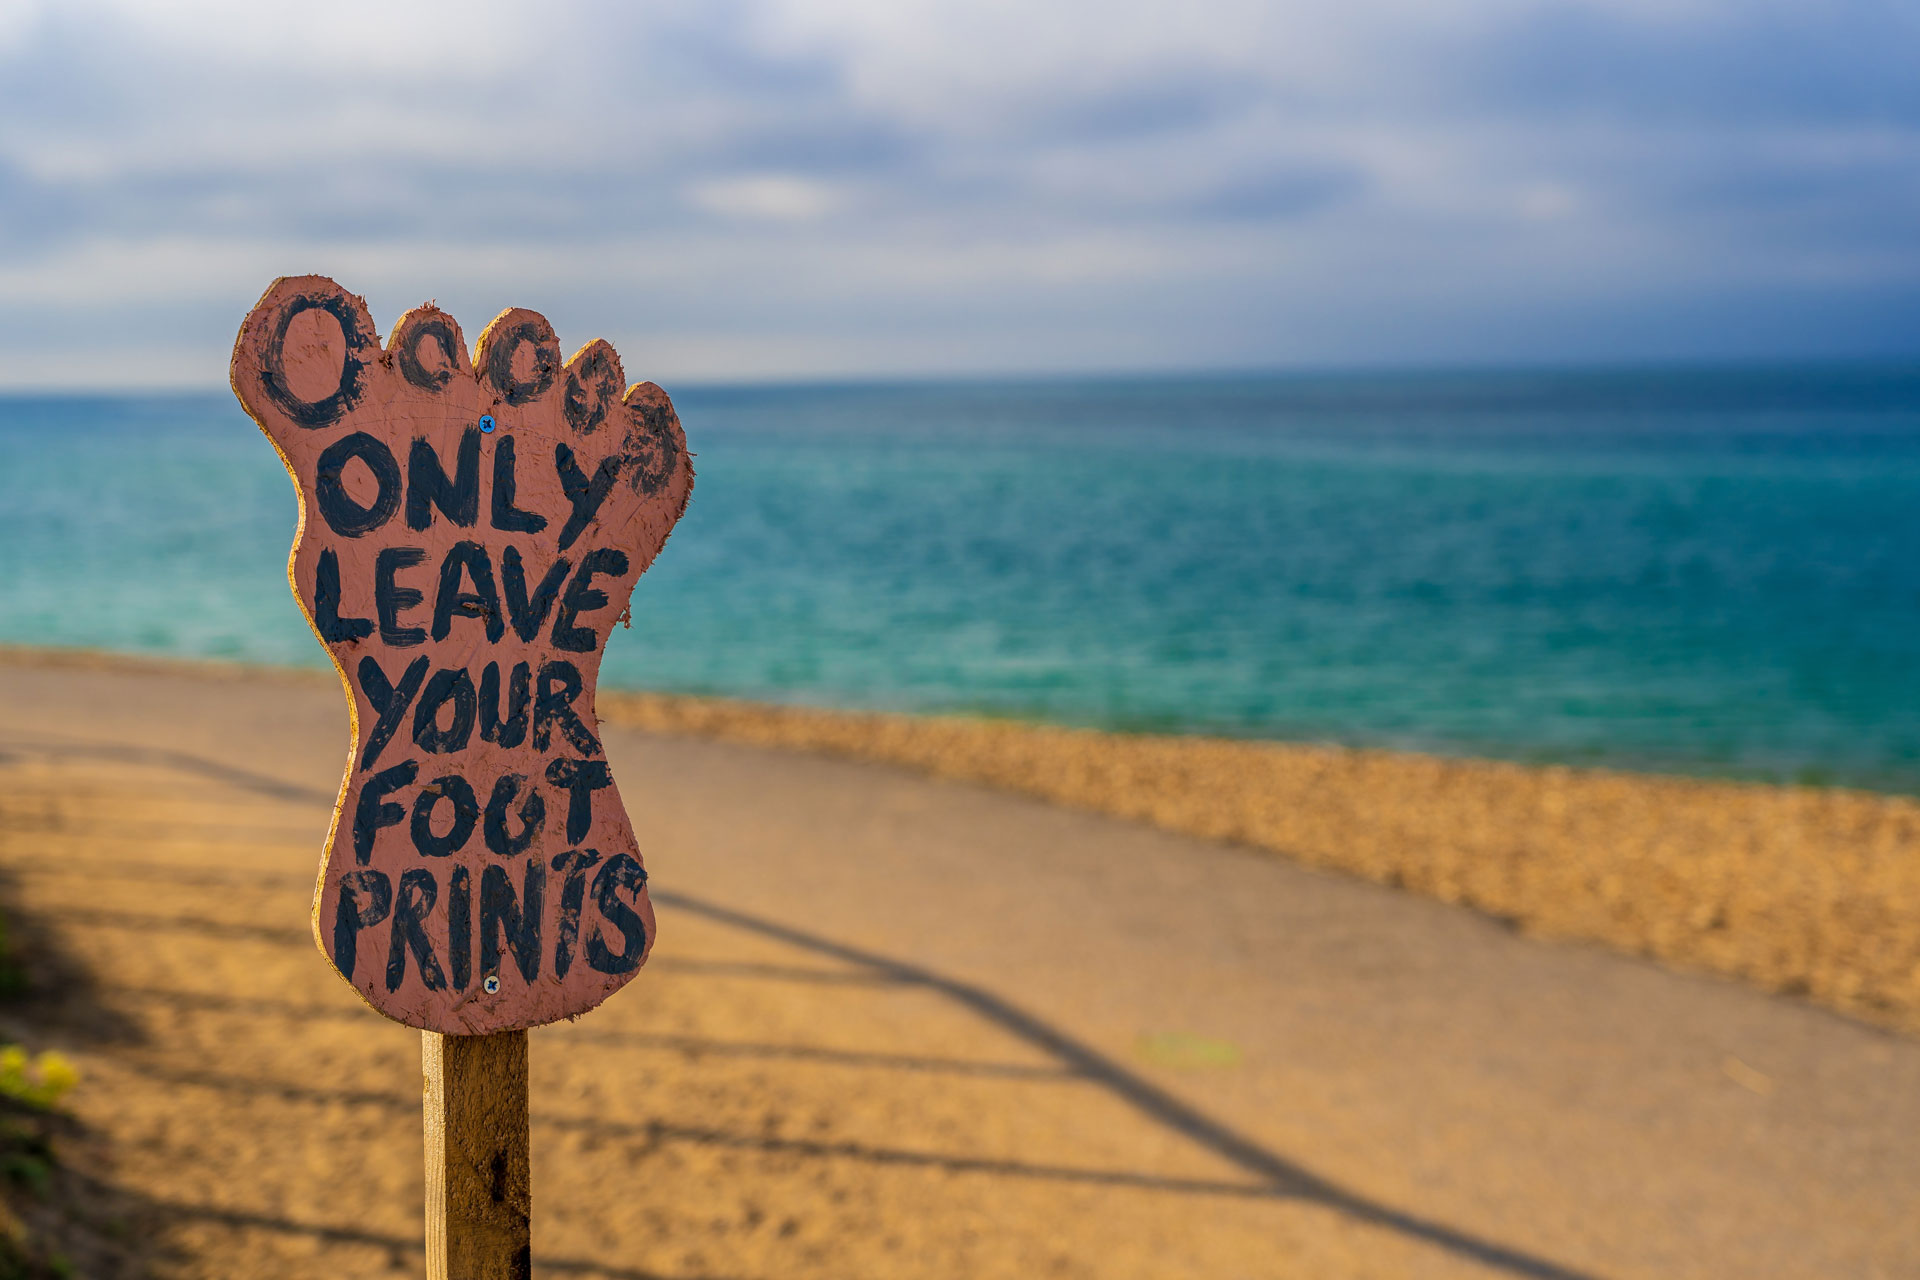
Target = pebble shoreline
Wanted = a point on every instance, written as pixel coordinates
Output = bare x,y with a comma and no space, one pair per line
1799,890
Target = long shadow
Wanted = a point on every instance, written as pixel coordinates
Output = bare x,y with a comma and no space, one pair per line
1282,1175
207,927
773,972
702,1047
160,873
145,833
242,1006
46,984
1279,1175
181,761
654,1133
166,1211
192,926
1291,1184
691,1046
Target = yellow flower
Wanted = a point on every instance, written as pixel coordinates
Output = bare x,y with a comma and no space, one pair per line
57,1075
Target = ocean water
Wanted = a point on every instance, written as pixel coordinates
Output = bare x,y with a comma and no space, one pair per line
1712,572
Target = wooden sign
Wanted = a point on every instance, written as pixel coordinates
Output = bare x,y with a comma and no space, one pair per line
470,531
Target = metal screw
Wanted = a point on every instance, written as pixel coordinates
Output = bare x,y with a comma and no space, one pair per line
486,422
492,984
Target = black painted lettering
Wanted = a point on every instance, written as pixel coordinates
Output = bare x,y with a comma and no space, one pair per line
592,388
583,597
579,779
365,898
573,865
389,701
559,685
501,349
343,515
507,517
413,369
326,604
418,890
467,559
584,495
374,811
529,613
358,337
533,815
428,486
456,791
460,926
512,730
450,686
390,599
621,874
518,920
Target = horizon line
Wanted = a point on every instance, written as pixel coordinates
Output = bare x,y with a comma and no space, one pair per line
1170,373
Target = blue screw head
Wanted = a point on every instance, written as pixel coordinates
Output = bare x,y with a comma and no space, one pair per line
492,984
486,422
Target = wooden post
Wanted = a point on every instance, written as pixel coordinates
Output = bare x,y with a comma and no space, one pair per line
479,1188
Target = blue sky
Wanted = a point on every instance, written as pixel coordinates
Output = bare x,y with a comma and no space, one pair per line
736,189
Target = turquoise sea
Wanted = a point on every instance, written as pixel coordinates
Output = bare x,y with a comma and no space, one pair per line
1704,571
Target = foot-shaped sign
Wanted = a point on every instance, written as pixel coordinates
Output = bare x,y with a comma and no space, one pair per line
470,530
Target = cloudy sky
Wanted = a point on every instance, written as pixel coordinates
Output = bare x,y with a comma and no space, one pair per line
763,188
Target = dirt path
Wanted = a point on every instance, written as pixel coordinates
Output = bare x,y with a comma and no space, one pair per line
897,1027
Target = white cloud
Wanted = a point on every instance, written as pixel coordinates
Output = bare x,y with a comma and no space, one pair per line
776,197
975,185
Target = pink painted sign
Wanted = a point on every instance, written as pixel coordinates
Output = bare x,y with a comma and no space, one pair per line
470,531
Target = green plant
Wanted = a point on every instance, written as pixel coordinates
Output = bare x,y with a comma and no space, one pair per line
39,1082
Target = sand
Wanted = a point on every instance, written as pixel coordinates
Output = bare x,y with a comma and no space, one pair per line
1800,890
909,1026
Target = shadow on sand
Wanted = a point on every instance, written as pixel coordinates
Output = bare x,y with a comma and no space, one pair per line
1268,1174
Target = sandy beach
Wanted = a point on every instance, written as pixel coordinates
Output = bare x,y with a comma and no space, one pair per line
910,1025
1800,890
